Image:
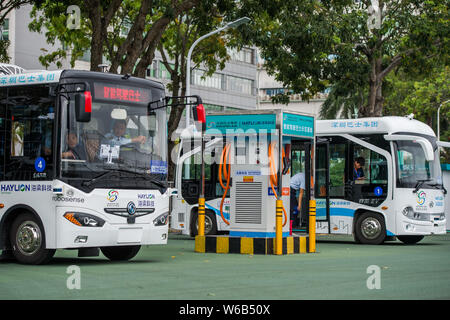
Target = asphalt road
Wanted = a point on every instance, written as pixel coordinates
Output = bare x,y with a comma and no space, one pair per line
340,269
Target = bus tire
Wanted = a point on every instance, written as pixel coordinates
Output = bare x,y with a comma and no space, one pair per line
410,239
120,253
28,240
370,228
210,224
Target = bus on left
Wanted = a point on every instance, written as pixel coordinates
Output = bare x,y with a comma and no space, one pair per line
83,165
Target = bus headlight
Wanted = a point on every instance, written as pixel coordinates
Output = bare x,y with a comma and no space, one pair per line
411,214
84,220
408,212
161,220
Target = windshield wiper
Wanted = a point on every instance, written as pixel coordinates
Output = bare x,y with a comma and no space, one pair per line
419,184
441,185
145,177
162,186
100,177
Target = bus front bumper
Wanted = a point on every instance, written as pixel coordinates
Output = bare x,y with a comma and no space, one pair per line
415,227
69,235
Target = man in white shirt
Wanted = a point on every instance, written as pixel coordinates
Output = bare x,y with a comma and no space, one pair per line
116,138
297,184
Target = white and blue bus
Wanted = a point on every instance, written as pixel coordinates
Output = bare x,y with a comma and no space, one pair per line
83,165
398,191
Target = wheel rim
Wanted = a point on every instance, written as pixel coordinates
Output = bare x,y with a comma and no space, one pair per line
371,228
28,238
208,224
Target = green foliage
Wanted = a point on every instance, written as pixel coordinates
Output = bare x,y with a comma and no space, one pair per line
4,44
313,45
422,96
51,16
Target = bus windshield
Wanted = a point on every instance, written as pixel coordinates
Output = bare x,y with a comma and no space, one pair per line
413,167
120,137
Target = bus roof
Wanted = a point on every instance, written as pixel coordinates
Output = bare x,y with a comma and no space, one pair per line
39,77
42,77
387,125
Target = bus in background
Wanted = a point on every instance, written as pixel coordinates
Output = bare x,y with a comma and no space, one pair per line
375,178
83,165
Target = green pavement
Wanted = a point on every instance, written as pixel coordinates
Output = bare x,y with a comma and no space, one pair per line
337,271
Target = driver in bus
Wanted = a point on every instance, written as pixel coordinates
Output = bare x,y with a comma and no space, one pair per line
117,137
358,172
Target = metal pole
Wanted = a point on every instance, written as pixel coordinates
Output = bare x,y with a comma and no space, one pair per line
201,200
188,69
232,24
279,201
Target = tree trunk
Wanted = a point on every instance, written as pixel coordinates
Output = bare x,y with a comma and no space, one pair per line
97,39
374,106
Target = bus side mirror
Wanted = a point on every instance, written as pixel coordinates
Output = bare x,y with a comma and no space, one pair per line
83,106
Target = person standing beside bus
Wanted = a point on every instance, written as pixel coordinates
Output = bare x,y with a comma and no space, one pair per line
297,184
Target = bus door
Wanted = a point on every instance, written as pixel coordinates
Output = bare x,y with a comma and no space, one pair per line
322,186
300,158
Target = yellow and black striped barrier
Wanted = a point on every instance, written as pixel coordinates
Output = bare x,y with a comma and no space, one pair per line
248,245
244,245
201,216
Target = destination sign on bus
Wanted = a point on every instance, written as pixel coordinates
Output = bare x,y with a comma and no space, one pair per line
117,93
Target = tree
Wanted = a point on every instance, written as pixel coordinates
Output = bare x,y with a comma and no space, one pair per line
126,32
313,45
422,96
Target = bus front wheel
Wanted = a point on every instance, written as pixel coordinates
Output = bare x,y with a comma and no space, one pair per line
120,253
210,224
370,228
410,239
28,240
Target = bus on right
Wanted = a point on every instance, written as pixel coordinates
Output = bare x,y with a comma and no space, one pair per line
379,178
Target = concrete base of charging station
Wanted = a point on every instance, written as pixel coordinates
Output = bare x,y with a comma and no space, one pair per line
244,245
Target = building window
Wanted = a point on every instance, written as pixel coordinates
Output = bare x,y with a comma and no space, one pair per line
163,72
243,55
240,85
5,30
275,91
213,81
152,70
213,107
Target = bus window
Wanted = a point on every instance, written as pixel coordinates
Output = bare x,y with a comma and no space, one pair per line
191,177
412,166
337,170
369,177
30,126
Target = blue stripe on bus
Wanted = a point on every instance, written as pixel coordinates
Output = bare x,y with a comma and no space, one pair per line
343,212
255,234
217,211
